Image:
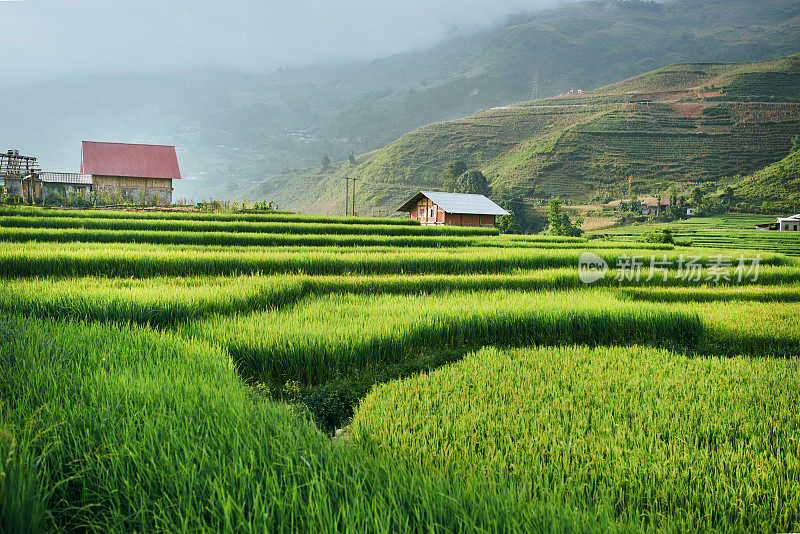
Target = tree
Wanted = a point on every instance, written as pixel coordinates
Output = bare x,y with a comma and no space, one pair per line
728,196
473,182
696,196
554,213
559,221
351,158
523,217
450,175
326,162
455,168
634,202
674,211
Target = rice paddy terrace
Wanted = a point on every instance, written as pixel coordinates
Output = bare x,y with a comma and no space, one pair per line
724,231
187,372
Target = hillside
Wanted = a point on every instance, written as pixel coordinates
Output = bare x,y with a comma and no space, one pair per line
233,129
774,189
702,122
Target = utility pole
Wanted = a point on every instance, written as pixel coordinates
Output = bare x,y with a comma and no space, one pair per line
354,196
346,194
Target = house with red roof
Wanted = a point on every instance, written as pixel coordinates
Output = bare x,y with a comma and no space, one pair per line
655,206
140,173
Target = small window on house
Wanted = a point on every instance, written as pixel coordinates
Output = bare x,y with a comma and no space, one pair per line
432,211
421,212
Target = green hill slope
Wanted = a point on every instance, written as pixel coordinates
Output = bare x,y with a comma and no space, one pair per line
702,122
233,129
774,189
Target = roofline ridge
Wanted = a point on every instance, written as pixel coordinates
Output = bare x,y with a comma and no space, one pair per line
118,143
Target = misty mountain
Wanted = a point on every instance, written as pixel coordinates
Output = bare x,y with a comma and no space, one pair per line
696,124
233,129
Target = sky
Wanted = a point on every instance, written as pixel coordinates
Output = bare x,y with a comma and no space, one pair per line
49,38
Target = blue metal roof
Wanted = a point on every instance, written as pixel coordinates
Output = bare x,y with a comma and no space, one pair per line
456,203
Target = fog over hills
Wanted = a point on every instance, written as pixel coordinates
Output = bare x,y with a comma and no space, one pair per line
235,125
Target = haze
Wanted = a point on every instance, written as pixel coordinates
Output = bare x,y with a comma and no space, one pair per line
50,38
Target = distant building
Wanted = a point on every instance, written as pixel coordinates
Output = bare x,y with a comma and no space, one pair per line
791,224
141,173
767,226
456,209
641,99
691,211
63,183
652,208
18,173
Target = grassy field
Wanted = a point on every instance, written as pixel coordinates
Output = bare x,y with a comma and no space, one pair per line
154,385
773,188
720,232
621,434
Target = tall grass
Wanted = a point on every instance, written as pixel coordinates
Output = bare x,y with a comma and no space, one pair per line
299,228
69,235
160,302
750,327
165,302
627,436
23,450
155,434
121,427
705,293
331,335
227,239
7,211
126,260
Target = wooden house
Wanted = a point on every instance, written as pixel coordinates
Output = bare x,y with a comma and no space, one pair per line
140,173
64,183
456,209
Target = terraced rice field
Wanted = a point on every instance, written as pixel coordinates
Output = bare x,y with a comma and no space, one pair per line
173,372
724,232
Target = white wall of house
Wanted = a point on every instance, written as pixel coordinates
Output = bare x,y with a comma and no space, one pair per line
789,224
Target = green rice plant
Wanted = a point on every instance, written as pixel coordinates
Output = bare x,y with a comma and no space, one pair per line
68,235
300,228
126,260
330,335
226,239
634,438
722,232
7,211
165,302
705,293
22,454
155,434
161,302
770,328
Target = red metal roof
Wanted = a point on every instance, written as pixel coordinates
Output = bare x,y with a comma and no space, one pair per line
122,159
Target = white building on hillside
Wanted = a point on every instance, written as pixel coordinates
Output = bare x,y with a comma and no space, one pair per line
789,223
